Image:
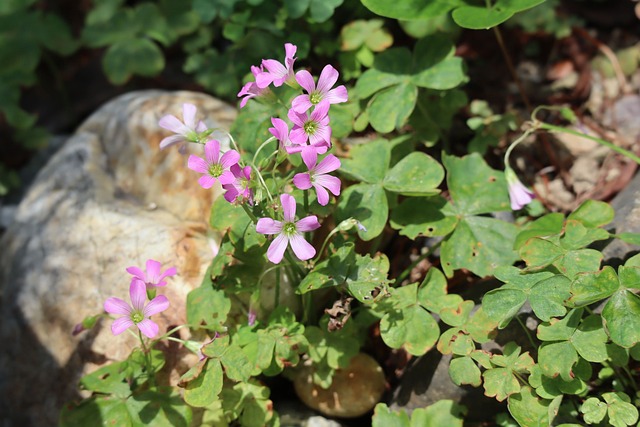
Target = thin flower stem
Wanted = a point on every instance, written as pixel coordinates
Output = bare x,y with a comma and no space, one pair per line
249,213
277,290
264,144
526,331
294,265
171,332
233,142
178,340
516,142
620,150
425,255
631,378
512,70
147,358
264,184
307,235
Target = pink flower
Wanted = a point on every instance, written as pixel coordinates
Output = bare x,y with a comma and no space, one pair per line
322,92
280,131
251,89
277,73
317,176
187,131
136,314
213,167
519,194
154,277
239,188
288,231
313,128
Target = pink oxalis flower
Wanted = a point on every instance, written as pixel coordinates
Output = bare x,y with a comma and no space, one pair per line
318,177
187,130
137,314
280,131
278,73
153,277
519,194
213,167
288,232
323,92
251,89
313,128
239,188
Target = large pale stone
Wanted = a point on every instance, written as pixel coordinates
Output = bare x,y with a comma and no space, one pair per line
108,199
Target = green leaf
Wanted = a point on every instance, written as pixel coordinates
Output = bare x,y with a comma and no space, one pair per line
588,288
367,162
249,403
577,236
444,412
412,328
500,383
417,174
594,410
385,417
110,410
204,383
593,213
390,108
621,315
621,412
109,379
479,244
408,9
371,34
322,10
529,410
132,57
432,293
480,17
431,216
463,370
207,10
548,225
590,339
557,358
207,307
368,204
162,407
435,66
475,188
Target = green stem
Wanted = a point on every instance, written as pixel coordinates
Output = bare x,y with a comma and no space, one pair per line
264,144
277,291
171,332
522,137
147,358
248,211
411,266
294,265
307,234
526,331
512,70
620,150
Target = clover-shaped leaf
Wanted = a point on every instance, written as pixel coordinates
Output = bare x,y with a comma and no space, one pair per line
235,362
249,403
464,370
442,413
616,405
500,381
417,174
529,410
202,383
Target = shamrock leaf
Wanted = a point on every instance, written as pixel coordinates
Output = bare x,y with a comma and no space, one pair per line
501,381
529,410
249,403
616,406
235,362
442,413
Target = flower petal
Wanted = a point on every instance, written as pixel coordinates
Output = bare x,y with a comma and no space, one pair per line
308,223
226,177
288,207
289,51
229,159
231,194
329,182
115,305
171,140
153,270
268,226
301,104
138,294
310,158
280,129
337,95
301,247
135,271
321,193
201,127
328,77
156,305
206,181
120,325
298,136
170,272
302,181
212,151
320,112
172,123
197,164
189,115
148,327
328,164
322,135
305,79
277,248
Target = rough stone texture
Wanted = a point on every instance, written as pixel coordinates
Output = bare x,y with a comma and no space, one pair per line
627,207
108,199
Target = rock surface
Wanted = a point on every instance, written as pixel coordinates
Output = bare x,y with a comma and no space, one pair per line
354,391
108,199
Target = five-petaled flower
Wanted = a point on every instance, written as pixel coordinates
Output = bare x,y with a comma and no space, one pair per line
187,131
213,167
519,194
323,92
278,73
318,176
313,128
239,188
154,277
288,231
137,314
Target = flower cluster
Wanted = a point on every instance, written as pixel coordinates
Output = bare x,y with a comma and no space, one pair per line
138,312
307,133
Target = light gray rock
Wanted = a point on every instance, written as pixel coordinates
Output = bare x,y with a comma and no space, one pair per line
108,199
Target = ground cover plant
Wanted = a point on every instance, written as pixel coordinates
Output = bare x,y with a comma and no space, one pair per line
339,150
